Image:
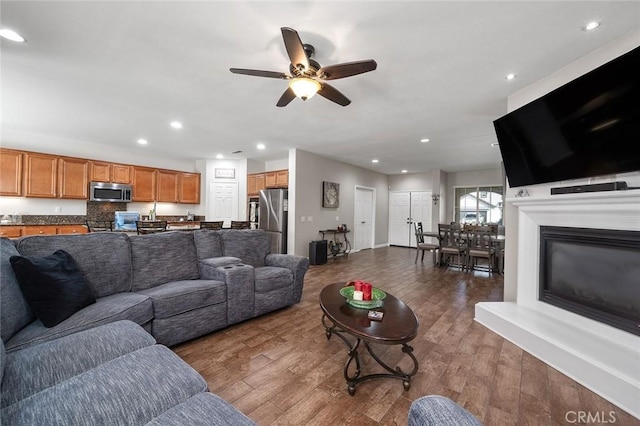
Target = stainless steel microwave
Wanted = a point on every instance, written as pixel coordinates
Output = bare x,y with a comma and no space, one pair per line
111,192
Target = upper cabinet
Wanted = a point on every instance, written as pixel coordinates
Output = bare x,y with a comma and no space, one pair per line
276,179
144,184
282,178
255,182
167,186
73,178
121,173
101,171
10,172
40,175
189,188
33,174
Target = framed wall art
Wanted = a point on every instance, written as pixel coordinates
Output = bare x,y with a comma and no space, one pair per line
330,194
225,173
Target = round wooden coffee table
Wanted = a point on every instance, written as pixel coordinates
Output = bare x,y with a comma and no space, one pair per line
398,326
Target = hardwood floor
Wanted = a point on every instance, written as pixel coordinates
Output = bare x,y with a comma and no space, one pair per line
280,369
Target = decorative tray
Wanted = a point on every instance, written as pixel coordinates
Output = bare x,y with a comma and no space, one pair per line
377,296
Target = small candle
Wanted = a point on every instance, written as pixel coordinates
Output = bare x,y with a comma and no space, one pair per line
367,288
358,285
357,295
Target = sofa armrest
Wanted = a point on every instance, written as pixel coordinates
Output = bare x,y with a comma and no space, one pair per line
296,264
436,410
240,282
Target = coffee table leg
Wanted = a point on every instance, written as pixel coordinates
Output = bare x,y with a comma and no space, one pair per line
395,372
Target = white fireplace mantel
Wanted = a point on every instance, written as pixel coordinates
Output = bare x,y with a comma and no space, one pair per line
601,357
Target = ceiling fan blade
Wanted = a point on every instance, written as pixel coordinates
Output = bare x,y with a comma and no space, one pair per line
260,73
286,97
294,47
347,69
333,95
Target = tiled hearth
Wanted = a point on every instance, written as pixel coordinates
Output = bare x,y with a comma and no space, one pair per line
602,358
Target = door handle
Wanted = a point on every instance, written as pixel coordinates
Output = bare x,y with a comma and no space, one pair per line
363,222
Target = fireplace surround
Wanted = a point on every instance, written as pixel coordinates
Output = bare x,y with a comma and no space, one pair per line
592,272
592,352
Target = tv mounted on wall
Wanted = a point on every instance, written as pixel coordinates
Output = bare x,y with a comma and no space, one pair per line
587,127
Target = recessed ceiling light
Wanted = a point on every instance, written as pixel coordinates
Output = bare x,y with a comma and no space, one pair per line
11,35
510,76
424,140
219,156
176,125
591,25
404,171
495,144
261,146
143,141
374,160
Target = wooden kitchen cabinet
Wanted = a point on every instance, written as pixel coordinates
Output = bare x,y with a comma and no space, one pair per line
40,175
282,178
144,184
101,171
270,180
11,172
189,188
276,179
255,182
11,231
73,174
121,173
167,186
40,230
71,229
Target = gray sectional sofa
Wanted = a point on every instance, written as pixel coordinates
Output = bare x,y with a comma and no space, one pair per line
103,364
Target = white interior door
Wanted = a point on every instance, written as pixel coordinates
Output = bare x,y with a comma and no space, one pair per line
223,202
400,218
420,212
363,219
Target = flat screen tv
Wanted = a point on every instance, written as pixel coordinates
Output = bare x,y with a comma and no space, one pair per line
587,127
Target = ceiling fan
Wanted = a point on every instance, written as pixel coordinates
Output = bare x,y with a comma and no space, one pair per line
306,76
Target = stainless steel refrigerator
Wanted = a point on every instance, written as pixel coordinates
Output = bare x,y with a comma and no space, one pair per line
273,215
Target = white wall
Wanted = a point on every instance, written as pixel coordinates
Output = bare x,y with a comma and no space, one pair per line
306,174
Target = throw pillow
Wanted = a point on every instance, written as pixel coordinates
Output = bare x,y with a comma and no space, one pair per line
54,286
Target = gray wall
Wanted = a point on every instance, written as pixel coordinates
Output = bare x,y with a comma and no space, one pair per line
492,177
308,171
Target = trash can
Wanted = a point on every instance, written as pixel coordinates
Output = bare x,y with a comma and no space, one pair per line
318,252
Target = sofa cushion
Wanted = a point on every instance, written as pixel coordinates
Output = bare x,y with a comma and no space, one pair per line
15,312
203,409
131,389
208,243
121,306
270,278
436,410
189,325
58,360
221,261
53,285
103,257
163,257
250,245
177,297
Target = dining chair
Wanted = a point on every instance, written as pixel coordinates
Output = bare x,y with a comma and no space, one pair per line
480,245
151,226
99,225
422,246
211,225
239,224
451,244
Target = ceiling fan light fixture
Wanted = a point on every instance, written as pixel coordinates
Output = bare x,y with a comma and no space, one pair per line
304,87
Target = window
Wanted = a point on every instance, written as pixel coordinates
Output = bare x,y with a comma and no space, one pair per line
478,205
